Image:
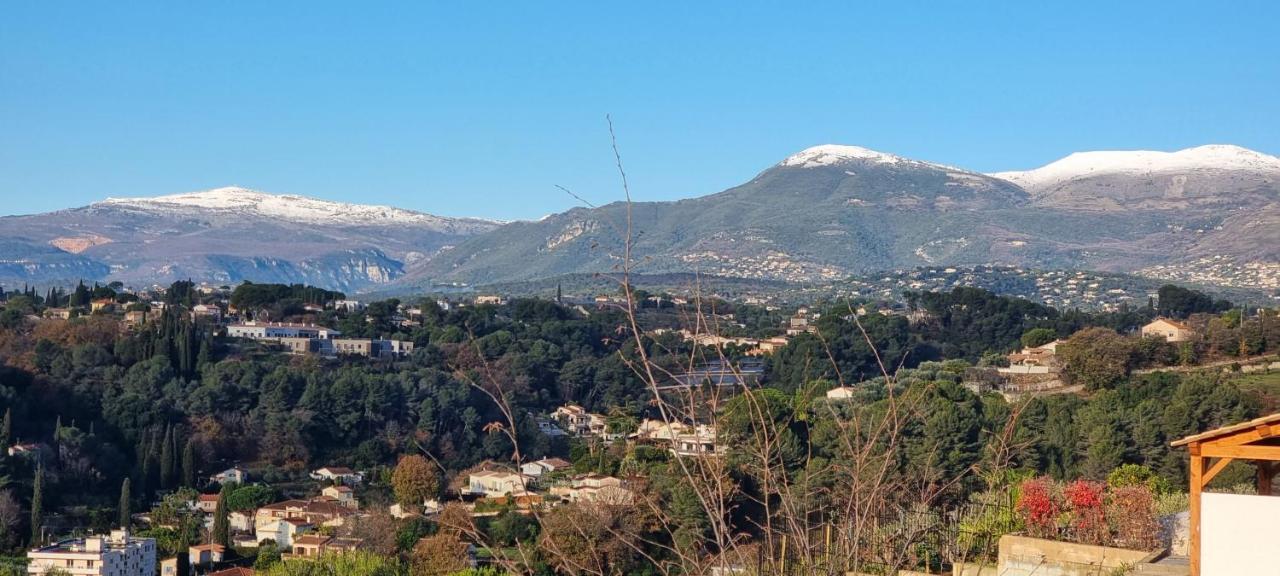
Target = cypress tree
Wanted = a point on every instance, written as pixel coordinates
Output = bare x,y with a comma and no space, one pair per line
147,475
37,505
167,466
125,509
205,356
6,429
221,532
57,439
189,464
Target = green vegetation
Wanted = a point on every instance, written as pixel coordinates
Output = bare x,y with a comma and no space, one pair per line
156,407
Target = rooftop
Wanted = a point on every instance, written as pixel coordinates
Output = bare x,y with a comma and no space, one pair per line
1263,422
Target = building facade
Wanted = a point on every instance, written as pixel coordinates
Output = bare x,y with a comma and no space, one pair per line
117,554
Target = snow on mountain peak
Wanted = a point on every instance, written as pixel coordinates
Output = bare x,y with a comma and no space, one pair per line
287,207
1200,158
830,154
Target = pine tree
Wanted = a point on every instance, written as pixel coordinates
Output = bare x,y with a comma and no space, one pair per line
189,464
125,508
37,505
167,466
221,533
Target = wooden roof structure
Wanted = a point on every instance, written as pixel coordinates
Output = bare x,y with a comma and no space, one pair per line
1257,440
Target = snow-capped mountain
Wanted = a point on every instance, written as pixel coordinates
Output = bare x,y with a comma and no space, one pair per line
837,154
1209,158
293,208
832,210
820,214
227,235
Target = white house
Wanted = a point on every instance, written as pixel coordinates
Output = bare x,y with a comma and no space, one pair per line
701,441
650,429
548,427
317,511
841,393
240,521
595,488
1169,329
281,530
544,466
497,483
212,313
349,305
273,330
205,554
341,494
207,503
339,474
235,475
578,422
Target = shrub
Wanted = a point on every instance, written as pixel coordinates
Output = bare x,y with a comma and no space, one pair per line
1088,522
1039,506
1132,513
1137,474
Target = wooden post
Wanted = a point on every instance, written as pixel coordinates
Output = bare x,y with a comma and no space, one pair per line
1197,484
784,553
1266,470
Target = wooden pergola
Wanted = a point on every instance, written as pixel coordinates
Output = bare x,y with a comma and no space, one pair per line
1257,440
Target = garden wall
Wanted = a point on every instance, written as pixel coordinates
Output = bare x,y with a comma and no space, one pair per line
1023,556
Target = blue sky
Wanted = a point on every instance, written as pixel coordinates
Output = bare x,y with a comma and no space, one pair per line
482,109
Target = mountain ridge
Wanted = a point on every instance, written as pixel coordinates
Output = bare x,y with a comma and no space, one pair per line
833,210
821,213
226,235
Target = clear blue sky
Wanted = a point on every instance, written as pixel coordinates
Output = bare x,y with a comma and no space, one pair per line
467,108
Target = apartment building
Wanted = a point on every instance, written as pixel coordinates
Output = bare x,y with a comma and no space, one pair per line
117,554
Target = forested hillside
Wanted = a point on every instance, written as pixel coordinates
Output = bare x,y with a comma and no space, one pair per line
168,403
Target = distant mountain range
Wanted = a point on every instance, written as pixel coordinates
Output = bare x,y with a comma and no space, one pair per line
821,214
226,235
831,211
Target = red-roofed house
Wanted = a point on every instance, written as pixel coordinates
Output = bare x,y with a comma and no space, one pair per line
205,554
1169,329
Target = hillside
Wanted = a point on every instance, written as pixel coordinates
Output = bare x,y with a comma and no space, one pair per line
831,211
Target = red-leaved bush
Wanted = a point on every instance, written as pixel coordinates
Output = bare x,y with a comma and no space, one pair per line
1089,513
1039,507
1088,517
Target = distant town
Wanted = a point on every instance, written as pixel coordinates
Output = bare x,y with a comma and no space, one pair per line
255,428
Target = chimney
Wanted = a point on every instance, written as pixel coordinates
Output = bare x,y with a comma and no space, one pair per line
93,545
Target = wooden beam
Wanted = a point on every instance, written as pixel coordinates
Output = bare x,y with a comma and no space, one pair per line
1197,484
1245,452
1215,469
1261,432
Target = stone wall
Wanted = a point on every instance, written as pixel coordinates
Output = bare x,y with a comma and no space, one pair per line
1022,556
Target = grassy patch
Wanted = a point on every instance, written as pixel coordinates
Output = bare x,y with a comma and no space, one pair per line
1265,385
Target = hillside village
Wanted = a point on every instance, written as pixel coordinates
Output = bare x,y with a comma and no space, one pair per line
188,509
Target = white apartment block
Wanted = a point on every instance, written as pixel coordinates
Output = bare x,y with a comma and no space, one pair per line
116,555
